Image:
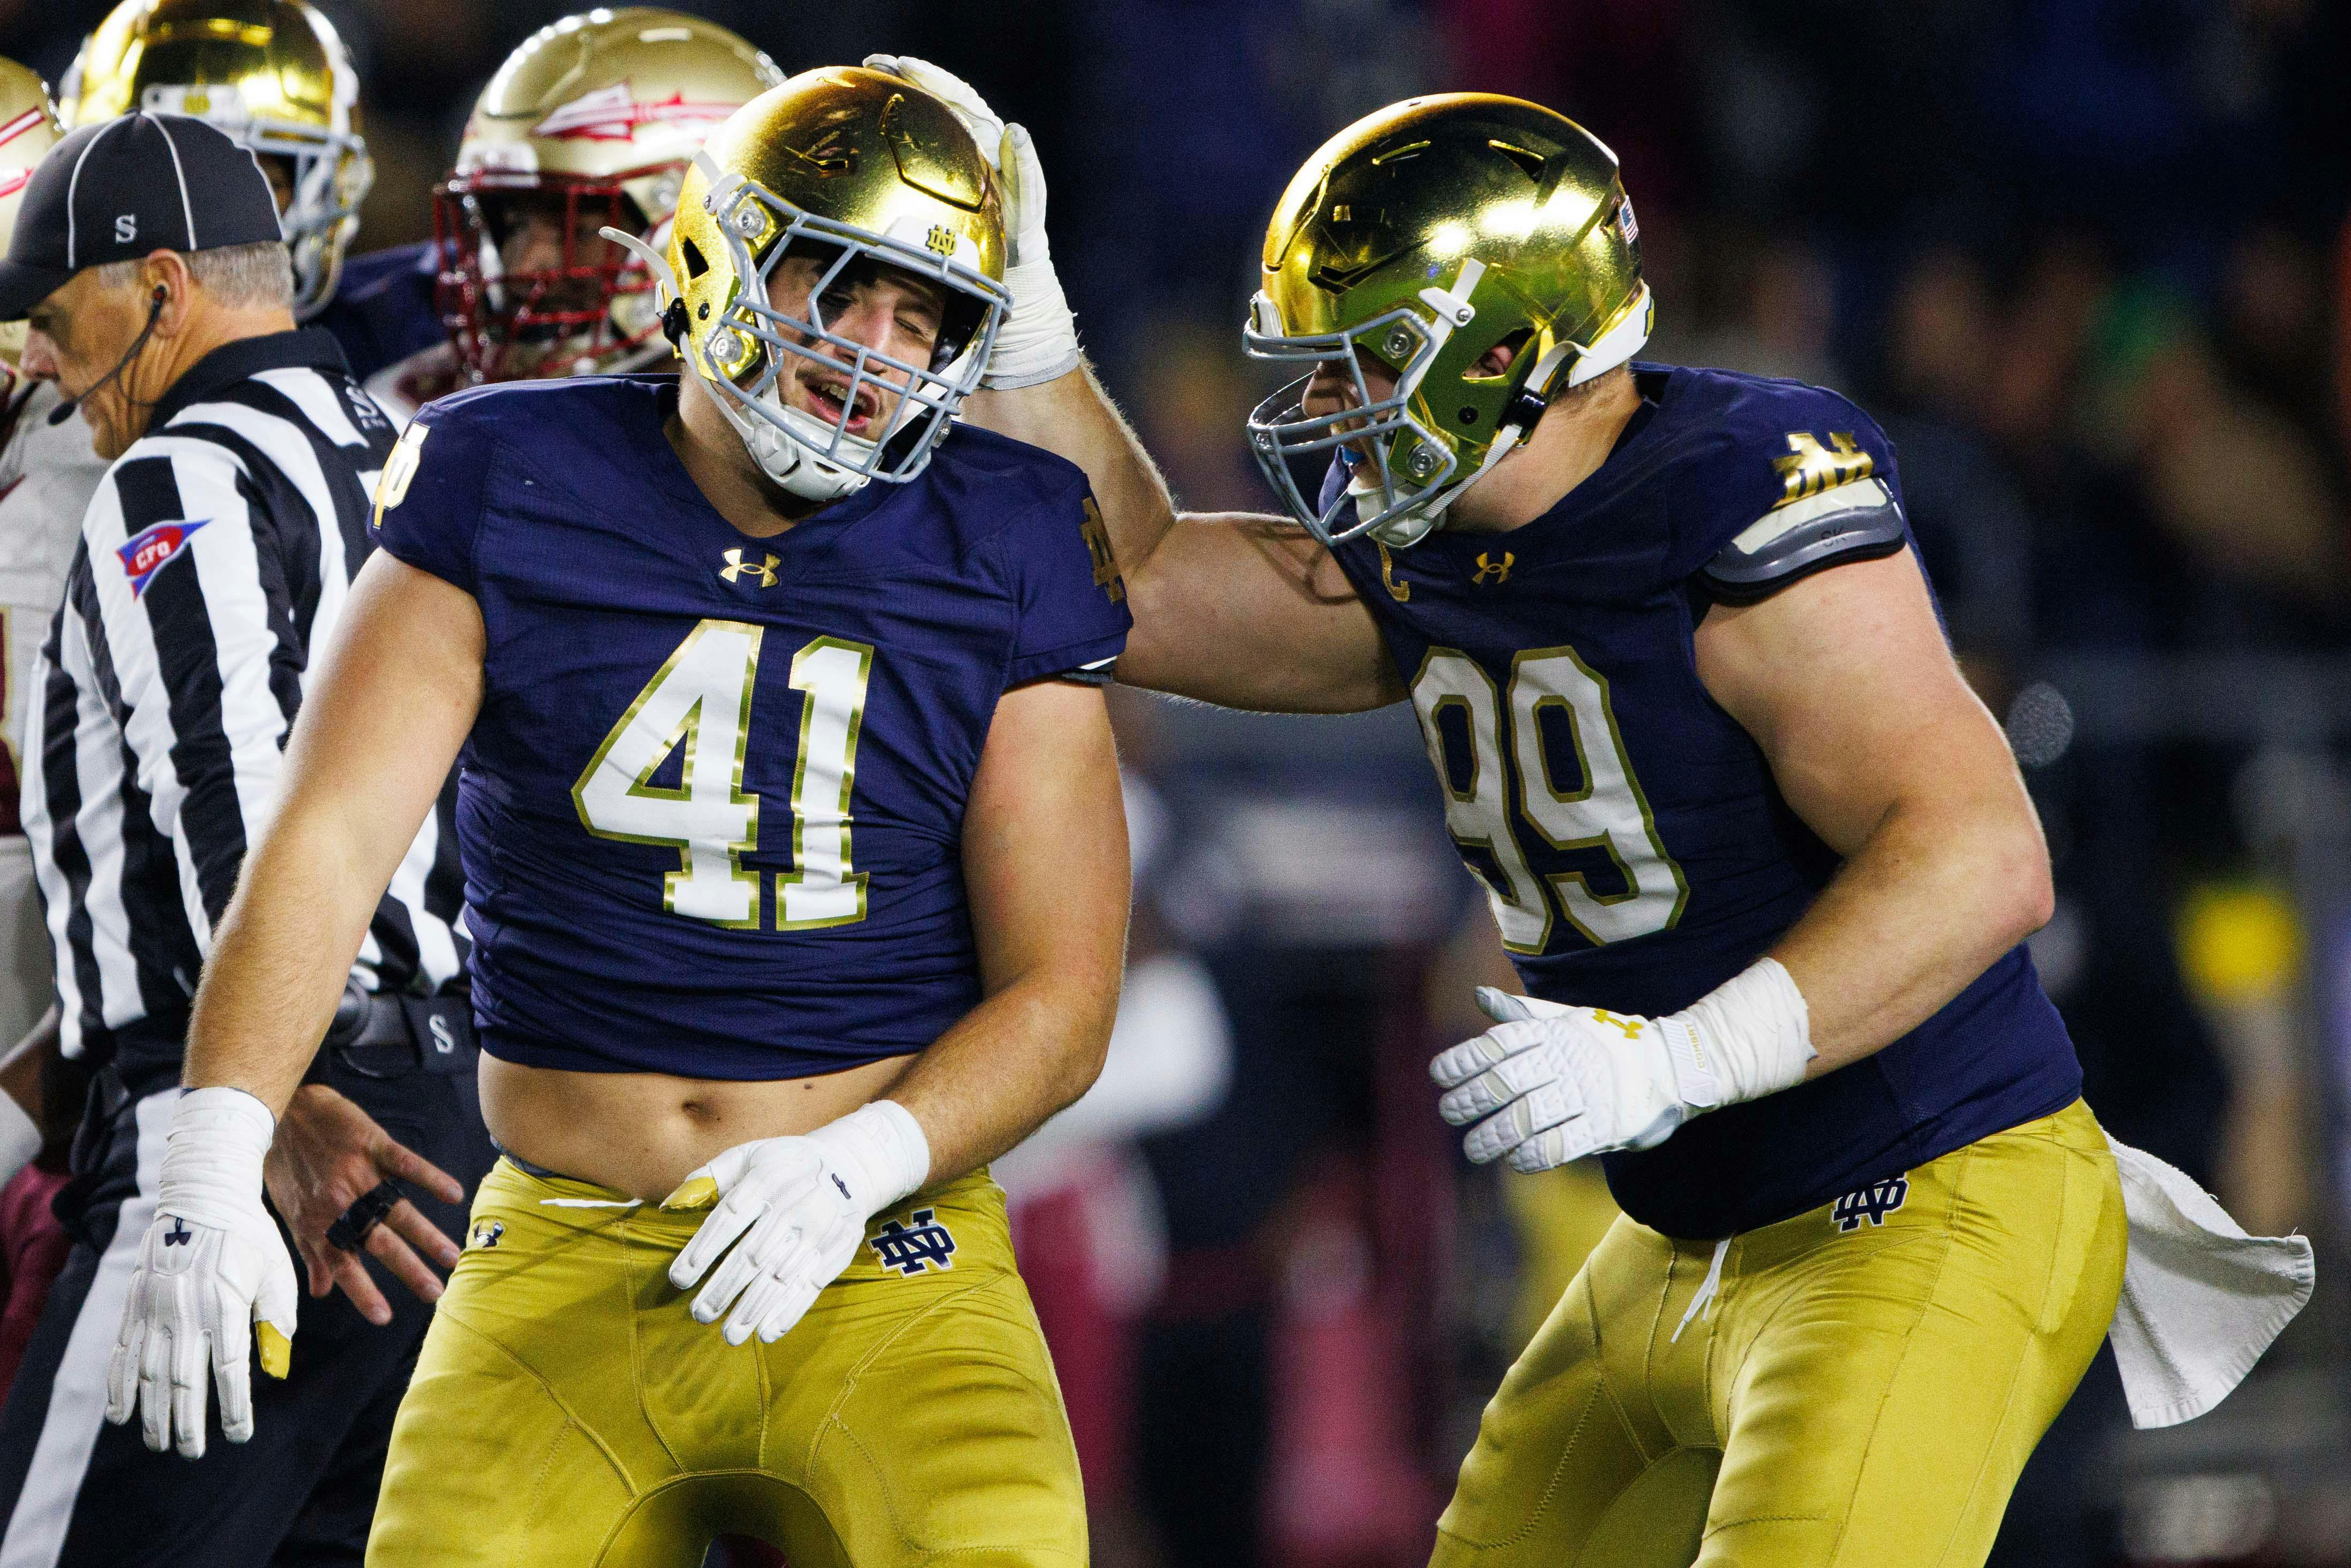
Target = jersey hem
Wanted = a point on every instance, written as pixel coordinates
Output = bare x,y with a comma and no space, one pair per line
748,1066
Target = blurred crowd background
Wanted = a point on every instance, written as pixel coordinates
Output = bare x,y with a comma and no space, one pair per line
2087,262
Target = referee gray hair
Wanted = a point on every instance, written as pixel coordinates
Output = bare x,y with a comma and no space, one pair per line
242,275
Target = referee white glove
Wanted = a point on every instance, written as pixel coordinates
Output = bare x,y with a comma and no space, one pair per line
212,1276
1039,339
793,1209
1548,1084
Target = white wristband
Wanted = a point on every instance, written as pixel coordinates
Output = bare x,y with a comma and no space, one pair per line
886,1139
1753,1030
211,1161
20,1139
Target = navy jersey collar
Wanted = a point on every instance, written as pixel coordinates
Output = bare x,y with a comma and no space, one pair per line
304,347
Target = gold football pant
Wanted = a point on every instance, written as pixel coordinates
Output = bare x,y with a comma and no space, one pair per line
1857,1386
568,1412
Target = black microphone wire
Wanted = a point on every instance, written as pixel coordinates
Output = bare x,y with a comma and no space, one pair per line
68,408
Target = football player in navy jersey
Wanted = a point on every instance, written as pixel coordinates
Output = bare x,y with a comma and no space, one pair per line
1763,862
797,874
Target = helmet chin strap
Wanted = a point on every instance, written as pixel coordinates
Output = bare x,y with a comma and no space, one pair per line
788,460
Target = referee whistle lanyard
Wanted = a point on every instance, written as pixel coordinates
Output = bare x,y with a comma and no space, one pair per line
1706,1290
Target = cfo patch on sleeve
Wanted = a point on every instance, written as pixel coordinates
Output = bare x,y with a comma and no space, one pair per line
392,487
150,549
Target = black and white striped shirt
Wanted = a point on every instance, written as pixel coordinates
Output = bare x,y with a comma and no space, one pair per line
216,556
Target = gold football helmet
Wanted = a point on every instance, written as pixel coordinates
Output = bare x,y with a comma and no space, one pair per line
590,123
272,73
1425,236
854,170
28,128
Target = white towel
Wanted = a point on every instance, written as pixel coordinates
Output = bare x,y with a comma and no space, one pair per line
2201,1300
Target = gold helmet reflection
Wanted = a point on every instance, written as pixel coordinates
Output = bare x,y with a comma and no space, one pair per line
28,128
1425,236
594,118
274,75
854,170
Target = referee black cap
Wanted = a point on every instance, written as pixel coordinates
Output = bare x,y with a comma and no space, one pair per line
123,188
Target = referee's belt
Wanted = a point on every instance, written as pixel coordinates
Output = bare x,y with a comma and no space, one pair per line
381,1036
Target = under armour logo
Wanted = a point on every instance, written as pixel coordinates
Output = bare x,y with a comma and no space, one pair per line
1871,1203
913,1248
488,1232
1489,567
1632,1026
179,1234
736,568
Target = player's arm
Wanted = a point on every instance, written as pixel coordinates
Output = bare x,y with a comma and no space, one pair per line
1846,682
382,720
1232,608
386,712
1045,870
1236,609
1045,867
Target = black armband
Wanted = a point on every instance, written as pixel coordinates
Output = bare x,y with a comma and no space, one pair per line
1855,521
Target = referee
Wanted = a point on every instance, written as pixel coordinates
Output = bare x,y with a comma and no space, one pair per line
215,555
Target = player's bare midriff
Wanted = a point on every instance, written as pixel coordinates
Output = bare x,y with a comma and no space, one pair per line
642,1133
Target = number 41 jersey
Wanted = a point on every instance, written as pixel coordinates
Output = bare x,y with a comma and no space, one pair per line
1633,846
712,808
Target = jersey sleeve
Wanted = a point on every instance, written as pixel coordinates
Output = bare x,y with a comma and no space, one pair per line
1805,482
428,505
1070,601
192,607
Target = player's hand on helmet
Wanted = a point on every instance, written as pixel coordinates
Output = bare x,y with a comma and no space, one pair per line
790,1213
1548,1084
212,1274
329,1155
1039,339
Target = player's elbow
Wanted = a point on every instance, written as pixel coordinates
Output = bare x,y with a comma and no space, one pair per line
1087,1007
2017,881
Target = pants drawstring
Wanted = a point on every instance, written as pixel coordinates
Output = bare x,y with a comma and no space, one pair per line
1705,1297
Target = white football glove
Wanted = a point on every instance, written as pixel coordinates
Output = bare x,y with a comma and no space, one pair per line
794,1211
213,1273
1039,339
1548,1084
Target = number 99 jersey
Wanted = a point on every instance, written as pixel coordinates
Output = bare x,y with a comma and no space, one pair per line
711,810
1632,844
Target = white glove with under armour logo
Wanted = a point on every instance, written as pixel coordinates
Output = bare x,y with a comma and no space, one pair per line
1548,1084
1039,339
212,1274
793,1209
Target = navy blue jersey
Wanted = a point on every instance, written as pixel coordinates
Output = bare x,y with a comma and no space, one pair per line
383,310
1636,849
712,809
